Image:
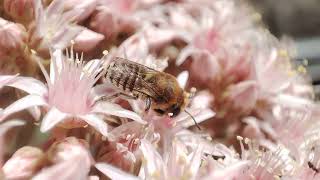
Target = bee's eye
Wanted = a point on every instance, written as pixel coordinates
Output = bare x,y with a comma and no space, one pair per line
175,109
160,111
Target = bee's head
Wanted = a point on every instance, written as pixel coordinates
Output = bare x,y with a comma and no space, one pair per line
174,107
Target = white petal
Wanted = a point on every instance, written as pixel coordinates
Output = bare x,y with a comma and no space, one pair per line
183,79
116,110
64,36
53,117
29,85
114,173
199,115
196,160
56,64
154,162
73,168
187,51
97,123
4,127
35,112
24,103
93,66
4,79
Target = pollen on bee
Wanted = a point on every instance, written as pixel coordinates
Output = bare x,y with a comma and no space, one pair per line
105,52
170,114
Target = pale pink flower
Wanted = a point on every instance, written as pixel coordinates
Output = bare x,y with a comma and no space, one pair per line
24,163
87,40
68,95
118,16
178,162
88,6
121,149
71,159
12,37
53,27
6,79
4,127
20,10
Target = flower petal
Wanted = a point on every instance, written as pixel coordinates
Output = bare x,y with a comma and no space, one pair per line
6,79
87,40
53,117
55,64
24,103
4,127
183,79
74,168
63,37
113,172
116,110
154,164
29,85
196,160
97,123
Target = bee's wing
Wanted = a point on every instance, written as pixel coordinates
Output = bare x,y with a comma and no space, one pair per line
140,71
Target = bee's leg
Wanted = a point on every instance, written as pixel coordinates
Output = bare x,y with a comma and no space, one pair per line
148,104
113,96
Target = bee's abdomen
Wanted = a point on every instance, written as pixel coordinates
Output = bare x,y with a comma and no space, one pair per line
123,76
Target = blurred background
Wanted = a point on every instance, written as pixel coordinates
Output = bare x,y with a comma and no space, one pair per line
300,20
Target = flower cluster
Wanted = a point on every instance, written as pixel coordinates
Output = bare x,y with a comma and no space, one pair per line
254,106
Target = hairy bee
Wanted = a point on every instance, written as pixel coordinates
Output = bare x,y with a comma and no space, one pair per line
160,90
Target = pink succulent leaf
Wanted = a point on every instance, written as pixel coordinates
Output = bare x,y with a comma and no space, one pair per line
116,110
96,123
23,163
52,118
29,85
183,79
24,103
113,172
73,168
87,40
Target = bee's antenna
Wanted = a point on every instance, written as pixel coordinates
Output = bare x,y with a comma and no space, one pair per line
194,120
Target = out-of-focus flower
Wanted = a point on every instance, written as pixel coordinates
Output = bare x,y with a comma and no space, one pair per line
12,37
24,163
177,162
53,27
68,94
4,127
118,17
71,160
87,40
6,79
20,10
86,6
121,149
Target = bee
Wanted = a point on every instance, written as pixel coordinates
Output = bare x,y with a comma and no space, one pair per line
160,91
